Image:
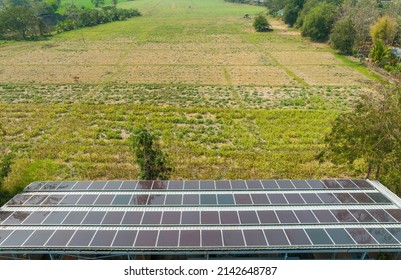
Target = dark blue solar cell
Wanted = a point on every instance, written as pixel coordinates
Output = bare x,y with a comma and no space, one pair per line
74,218
113,218
125,238
113,185
103,238
340,236
300,184
254,237
276,237
160,185
173,199
381,216
140,199
363,216
211,238
81,238
191,199
176,185
210,217
208,199
260,199
17,238
4,234
378,198
361,236
190,238
332,184
156,199
294,198
191,185
50,186
168,238
306,217
229,217
223,185
97,185
347,184
122,199
55,218
38,238
325,216
345,198
66,185
297,237
328,198
225,199
238,185
128,185
267,217
248,217
190,218
277,198
233,238
82,185
382,236
207,185
285,184
36,218
286,217
132,218
60,238
363,184
254,185
316,184
396,232
146,238
144,185
318,237
270,184
242,198
104,199
171,218
343,216
311,198
152,218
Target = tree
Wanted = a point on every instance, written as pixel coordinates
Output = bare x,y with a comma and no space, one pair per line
114,2
21,20
261,24
385,28
319,21
370,133
380,53
290,15
97,3
152,161
343,36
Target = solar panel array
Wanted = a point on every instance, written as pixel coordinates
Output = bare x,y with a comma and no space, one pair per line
201,215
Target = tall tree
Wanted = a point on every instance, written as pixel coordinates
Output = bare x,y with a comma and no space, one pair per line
319,21
343,35
154,164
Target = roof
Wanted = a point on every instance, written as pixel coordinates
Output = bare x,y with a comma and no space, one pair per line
199,216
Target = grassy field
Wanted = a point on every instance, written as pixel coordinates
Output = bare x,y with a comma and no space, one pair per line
227,102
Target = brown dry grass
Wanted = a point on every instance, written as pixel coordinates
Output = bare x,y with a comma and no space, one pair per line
306,58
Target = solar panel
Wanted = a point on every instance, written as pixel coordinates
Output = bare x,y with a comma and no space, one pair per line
168,238
82,238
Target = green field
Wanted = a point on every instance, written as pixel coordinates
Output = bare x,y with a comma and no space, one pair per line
227,102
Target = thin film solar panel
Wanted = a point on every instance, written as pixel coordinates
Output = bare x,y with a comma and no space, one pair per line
189,238
81,238
297,237
318,237
229,217
17,238
36,217
340,236
60,238
113,218
276,237
171,218
211,238
39,238
233,238
103,238
168,238
4,234
207,185
361,236
223,185
190,218
382,236
254,237
146,238
125,238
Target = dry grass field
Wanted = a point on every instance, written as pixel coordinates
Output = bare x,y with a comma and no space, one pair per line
227,102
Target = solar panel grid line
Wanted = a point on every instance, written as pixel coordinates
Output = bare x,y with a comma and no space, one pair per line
7,236
385,191
93,237
329,236
28,238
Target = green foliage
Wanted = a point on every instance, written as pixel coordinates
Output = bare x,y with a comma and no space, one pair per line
20,22
372,133
343,36
380,54
261,24
97,3
385,29
291,12
152,161
319,21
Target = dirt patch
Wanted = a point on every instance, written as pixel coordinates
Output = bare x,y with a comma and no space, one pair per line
260,75
306,58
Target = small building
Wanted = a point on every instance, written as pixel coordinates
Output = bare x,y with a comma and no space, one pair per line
225,219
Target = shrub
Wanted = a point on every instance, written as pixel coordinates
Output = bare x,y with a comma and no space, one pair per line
343,36
385,29
318,23
261,24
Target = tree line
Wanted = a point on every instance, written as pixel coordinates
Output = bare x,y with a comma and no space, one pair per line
33,19
363,28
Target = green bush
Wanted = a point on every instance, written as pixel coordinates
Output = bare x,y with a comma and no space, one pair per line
343,36
261,24
319,21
